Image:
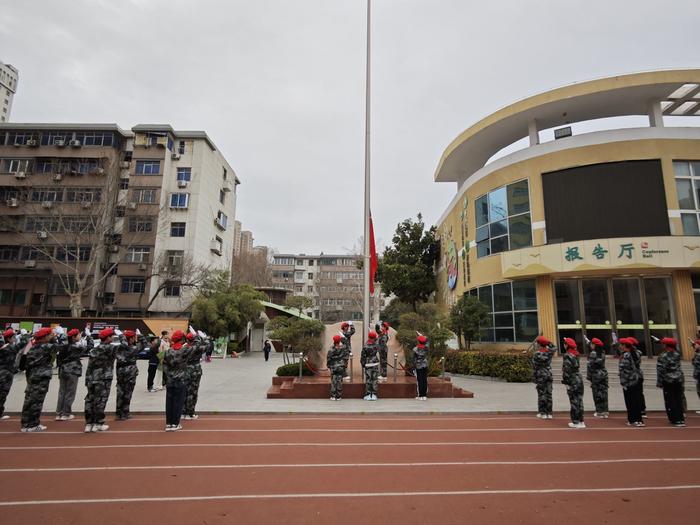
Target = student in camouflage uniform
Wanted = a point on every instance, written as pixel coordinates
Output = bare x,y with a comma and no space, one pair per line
542,376
369,359
194,375
696,368
597,374
12,346
175,370
335,362
39,367
383,340
631,384
420,363
637,356
153,361
130,345
98,380
571,377
669,377
69,370
348,330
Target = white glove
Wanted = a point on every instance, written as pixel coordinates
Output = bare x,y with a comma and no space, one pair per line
118,332
59,330
87,331
22,331
138,332
201,334
349,323
192,330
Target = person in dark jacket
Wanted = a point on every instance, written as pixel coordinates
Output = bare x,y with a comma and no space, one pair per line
98,380
369,359
194,375
69,371
335,362
630,380
266,349
420,363
130,345
39,369
542,376
153,361
637,356
10,349
571,377
669,377
597,374
175,369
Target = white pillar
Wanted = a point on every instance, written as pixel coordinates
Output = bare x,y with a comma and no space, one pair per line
533,132
656,116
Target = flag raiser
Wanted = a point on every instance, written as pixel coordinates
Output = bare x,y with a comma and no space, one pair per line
373,262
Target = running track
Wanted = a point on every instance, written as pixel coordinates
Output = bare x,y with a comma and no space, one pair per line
352,469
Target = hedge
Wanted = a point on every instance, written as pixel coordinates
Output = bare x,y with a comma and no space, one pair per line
292,369
514,368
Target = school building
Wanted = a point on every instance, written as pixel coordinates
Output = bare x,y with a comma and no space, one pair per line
590,233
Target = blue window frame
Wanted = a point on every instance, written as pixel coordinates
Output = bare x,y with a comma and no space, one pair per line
184,174
179,200
147,167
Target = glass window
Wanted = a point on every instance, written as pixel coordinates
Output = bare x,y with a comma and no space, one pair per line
690,224
181,147
177,229
499,245
502,300
503,219
526,327
520,231
133,285
485,296
685,194
482,211
496,229
518,198
184,174
498,204
681,168
179,200
147,167
524,295
138,254
503,320
175,257
567,297
172,289
140,224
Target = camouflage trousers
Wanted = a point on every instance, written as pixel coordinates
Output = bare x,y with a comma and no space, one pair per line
371,380
337,384
96,401
126,381
68,384
383,352
5,384
575,393
600,395
544,397
193,380
34,397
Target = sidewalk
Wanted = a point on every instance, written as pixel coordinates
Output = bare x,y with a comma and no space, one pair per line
240,385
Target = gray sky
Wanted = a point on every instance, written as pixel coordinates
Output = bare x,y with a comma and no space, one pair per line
279,86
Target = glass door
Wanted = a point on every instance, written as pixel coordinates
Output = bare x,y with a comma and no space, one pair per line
568,303
629,314
596,305
659,305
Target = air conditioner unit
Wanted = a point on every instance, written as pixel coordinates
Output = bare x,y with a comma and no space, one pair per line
182,184
58,177
142,267
20,175
42,235
74,143
59,142
13,202
114,248
133,205
32,143
215,246
47,204
30,264
100,171
86,204
175,156
125,165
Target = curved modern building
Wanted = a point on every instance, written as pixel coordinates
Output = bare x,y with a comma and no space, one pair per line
588,235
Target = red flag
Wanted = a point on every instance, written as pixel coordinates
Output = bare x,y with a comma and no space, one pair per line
373,261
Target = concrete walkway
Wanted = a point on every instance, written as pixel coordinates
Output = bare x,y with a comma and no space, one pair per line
240,385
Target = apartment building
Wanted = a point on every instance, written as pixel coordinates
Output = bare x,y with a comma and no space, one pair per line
246,241
237,237
9,76
124,220
334,282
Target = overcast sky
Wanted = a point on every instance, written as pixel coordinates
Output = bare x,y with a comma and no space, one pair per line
279,86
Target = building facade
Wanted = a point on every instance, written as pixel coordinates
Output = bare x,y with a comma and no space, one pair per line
587,235
9,77
246,241
237,237
125,220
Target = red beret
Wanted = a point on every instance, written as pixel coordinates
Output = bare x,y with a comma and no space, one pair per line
129,333
385,324
597,342
177,336
570,343
633,341
624,341
543,341
669,341
73,332
337,338
190,336
8,333
42,332
105,333
697,342
372,334
422,339
344,325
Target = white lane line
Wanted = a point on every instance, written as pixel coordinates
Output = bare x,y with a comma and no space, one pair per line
343,495
384,418
355,444
352,465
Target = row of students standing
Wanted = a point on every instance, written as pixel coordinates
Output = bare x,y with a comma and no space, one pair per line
669,378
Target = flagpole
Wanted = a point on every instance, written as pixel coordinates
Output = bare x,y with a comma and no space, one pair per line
366,265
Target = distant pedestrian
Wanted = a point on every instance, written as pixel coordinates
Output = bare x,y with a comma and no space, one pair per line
383,341
335,362
669,377
597,374
266,349
369,359
630,381
571,377
420,363
210,348
696,368
542,376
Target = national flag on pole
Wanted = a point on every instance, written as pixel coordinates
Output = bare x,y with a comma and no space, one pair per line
373,261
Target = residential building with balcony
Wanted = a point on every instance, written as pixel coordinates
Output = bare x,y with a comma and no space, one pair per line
9,77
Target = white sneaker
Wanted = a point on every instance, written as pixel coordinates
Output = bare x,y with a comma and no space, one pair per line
169,428
541,415
573,425
59,418
367,398
158,388
5,416
639,424
153,390
41,427
679,424
178,427
88,428
194,416
332,398
596,414
68,417
549,416
697,412
101,428
417,397
38,428
374,397
424,398
581,425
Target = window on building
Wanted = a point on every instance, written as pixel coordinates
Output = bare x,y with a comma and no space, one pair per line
311,276
73,253
16,165
503,219
32,223
177,229
222,196
184,174
133,285
141,224
175,258
181,147
695,277
83,194
298,288
224,175
688,189
46,194
310,289
97,138
172,289
13,297
137,254
147,167
124,184
9,253
108,298
50,138
222,219
311,262
179,200
513,308
284,261
145,195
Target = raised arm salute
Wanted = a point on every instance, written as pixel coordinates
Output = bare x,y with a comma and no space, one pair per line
13,345
98,380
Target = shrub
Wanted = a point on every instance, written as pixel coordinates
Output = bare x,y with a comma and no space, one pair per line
292,369
231,347
514,368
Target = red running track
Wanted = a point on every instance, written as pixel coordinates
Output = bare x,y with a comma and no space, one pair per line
354,469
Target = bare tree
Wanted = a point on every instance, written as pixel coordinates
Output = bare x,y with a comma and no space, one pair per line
251,268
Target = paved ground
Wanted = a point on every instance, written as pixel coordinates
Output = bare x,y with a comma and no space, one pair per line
240,385
420,469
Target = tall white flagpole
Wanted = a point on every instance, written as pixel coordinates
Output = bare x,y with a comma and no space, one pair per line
366,266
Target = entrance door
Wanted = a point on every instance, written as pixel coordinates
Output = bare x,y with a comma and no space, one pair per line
596,306
629,314
569,316
659,304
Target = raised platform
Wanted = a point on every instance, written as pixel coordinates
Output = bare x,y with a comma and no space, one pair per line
315,387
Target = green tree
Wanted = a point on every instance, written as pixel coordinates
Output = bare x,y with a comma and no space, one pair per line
407,268
299,302
302,335
467,316
221,308
393,311
428,321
